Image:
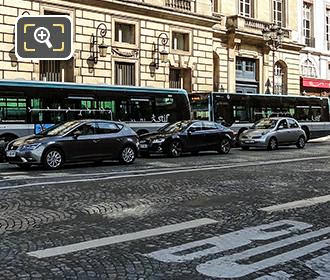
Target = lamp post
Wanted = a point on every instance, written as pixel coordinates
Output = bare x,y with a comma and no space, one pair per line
273,36
101,49
161,55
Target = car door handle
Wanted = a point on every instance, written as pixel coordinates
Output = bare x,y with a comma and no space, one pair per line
96,141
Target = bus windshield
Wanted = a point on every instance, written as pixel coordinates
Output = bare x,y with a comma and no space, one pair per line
60,129
175,127
265,124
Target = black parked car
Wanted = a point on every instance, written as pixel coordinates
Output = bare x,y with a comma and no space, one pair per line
75,141
187,136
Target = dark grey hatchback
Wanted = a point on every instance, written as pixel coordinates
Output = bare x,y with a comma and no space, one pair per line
75,141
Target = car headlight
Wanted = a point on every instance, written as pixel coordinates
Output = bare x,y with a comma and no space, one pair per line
158,141
31,146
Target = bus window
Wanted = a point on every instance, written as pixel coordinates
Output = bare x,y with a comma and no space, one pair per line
165,109
240,113
140,110
12,109
302,113
315,113
109,110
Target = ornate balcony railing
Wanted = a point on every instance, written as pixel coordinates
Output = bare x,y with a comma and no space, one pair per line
183,5
250,25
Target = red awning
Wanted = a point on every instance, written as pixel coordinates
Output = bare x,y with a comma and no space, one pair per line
315,83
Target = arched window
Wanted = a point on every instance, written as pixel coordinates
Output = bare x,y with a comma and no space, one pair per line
280,78
308,69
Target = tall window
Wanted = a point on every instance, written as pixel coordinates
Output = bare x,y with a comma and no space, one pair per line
307,23
246,8
308,69
180,78
327,28
56,70
180,41
125,73
280,78
215,6
279,12
125,33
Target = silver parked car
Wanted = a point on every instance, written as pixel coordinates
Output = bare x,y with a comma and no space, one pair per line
273,132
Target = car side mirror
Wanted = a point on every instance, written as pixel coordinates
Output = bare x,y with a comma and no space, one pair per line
76,134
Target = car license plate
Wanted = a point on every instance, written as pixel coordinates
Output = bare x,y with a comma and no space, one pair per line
11,153
249,142
143,146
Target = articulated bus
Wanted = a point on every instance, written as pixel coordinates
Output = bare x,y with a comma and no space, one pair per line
239,110
26,107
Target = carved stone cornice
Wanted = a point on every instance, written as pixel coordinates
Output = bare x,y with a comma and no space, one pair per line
125,53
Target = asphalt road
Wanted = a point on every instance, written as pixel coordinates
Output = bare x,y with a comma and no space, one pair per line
247,215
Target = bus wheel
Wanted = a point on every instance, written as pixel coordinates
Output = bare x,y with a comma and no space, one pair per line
53,159
272,144
175,149
307,132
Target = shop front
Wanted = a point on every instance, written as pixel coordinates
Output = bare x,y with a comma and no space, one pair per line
317,87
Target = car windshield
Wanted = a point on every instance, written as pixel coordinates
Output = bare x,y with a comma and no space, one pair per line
174,127
60,129
265,124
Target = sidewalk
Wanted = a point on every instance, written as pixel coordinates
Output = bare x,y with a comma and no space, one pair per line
320,140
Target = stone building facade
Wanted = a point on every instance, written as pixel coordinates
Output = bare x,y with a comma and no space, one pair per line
133,28
212,45
314,34
246,63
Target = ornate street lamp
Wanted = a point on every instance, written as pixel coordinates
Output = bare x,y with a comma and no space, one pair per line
273,36
101,49
161,55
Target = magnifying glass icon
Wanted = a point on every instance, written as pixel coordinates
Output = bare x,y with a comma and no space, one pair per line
42,35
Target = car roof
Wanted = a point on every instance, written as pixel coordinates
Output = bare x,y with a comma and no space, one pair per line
98,120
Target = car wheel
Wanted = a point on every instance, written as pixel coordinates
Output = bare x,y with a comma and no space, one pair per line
272,144
53,159
127,155
24,165
301,142
175,149
224,146
144,154
245,148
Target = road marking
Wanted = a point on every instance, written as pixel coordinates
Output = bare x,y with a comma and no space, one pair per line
176,171
297,204
61,250
260,248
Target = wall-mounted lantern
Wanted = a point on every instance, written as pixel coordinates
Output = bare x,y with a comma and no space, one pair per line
161,54
99,49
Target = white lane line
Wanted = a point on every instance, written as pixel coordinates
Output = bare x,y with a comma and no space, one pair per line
61,250
51,176
297,204
176,171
